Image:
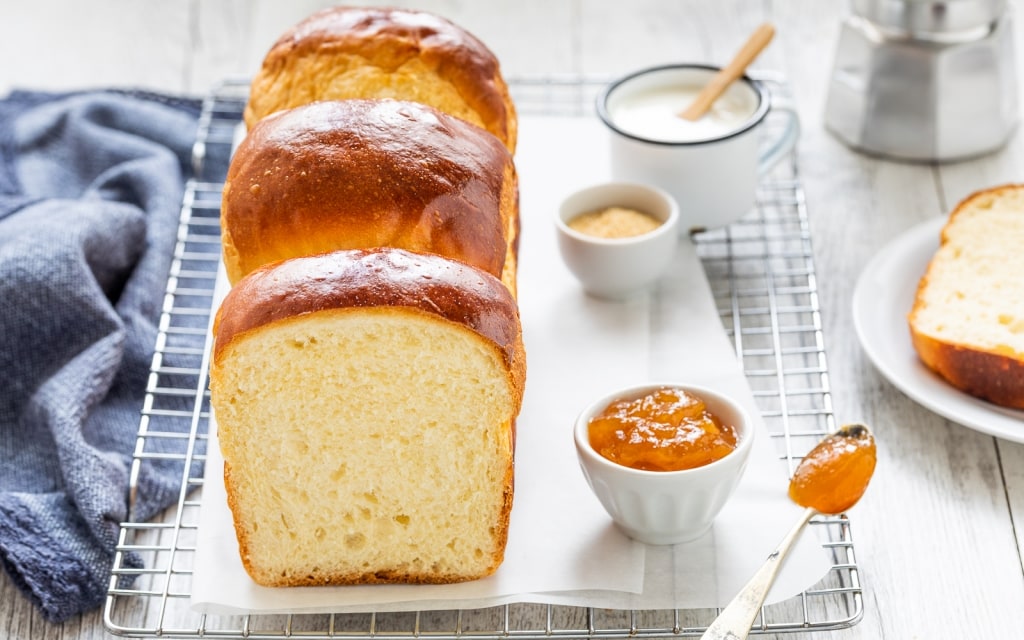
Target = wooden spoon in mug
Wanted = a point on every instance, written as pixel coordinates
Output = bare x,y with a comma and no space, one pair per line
728,74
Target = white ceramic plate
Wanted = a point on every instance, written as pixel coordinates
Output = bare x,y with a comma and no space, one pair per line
881,301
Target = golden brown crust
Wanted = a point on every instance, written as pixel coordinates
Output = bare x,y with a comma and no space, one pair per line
366,173
990,376
382,277
978,198
331,54
983,373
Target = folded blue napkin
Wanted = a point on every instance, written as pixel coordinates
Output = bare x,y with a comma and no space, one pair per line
90,192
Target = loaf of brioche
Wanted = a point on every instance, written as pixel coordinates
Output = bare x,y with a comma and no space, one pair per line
366,403
352,174
967,321
356,52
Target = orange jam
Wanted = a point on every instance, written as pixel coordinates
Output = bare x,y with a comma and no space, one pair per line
665,430
833,476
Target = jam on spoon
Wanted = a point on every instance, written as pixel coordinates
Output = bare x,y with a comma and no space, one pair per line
833,476
830,479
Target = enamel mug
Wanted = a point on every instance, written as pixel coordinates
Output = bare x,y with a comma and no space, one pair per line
712,166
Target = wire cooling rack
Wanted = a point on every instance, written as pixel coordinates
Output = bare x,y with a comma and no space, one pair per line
762,274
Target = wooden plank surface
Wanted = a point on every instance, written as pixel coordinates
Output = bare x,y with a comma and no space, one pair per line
936,537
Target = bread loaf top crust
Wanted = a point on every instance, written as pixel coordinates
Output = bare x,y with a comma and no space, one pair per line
382,277
366,52
354,174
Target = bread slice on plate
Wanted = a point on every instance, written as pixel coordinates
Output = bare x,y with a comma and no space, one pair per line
967,320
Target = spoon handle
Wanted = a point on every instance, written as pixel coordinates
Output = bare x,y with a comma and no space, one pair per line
757,41
734,622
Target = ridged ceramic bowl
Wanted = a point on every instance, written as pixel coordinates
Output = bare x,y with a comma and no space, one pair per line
665,507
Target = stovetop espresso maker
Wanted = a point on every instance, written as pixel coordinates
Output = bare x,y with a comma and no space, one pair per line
924,80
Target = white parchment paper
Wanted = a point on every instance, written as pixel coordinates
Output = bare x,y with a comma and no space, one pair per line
563,547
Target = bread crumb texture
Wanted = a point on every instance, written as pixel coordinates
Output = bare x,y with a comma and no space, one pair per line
973,294
967,321
366,445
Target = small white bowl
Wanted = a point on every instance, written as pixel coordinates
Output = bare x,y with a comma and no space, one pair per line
616,268
665,507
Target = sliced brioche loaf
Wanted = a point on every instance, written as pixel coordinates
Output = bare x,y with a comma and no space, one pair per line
354,174
364,52
967,321
365,403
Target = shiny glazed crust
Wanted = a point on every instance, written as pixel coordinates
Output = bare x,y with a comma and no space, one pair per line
995,375
356,52
380,277
366,173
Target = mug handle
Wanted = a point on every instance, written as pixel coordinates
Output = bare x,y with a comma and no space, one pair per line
780,147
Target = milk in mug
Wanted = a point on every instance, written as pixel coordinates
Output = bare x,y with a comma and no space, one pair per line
653,113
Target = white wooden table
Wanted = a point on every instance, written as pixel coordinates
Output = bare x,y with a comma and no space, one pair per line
938,536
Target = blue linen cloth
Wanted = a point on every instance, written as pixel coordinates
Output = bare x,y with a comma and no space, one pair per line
90,193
